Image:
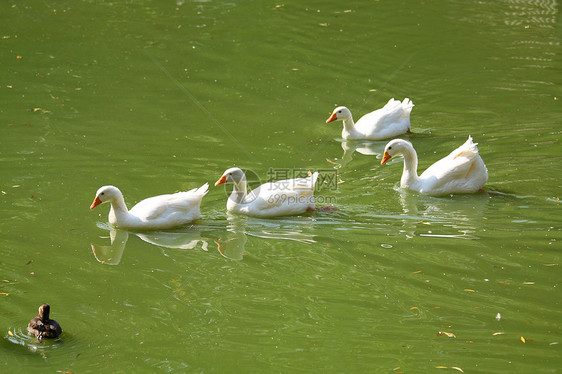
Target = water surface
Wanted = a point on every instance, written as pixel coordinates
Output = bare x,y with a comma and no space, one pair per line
156,97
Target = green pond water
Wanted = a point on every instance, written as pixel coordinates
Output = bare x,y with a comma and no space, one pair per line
161,96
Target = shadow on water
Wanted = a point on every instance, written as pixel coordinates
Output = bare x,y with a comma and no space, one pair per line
112,254
445,208
365,147
462,213
465,214
368,147
228,236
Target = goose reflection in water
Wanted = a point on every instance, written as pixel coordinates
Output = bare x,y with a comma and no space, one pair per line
365,147
230,237
112,254
239,228
368,147
233,245
463,213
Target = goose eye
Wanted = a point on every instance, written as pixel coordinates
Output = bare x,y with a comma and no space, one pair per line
339,111
389,148
103,193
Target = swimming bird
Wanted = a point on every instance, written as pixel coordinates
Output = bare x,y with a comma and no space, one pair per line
157,212
462,171
391,120
42,326
281,198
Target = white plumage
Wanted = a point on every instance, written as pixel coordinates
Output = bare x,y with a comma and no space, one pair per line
391,120
462,171
281,198
158,212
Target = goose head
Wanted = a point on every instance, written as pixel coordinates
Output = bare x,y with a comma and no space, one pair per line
231,176
340,113
395,147
104,194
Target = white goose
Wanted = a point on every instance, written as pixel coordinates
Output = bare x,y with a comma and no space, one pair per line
281,198
391,120
462,171
158,212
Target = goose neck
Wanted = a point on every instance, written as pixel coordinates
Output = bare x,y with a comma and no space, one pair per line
239,191
348,123
410,173
118,209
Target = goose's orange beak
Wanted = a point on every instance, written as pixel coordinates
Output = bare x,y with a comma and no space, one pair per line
222,180
385,158
96,202
333,117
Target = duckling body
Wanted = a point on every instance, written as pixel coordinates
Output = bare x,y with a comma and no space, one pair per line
42,326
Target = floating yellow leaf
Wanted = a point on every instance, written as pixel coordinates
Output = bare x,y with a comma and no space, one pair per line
448,334
469,290
417,272
457,368
523,340
498,333
441,367
4,293
414,307
10,333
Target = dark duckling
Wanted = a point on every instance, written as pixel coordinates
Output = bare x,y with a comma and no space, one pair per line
43,327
